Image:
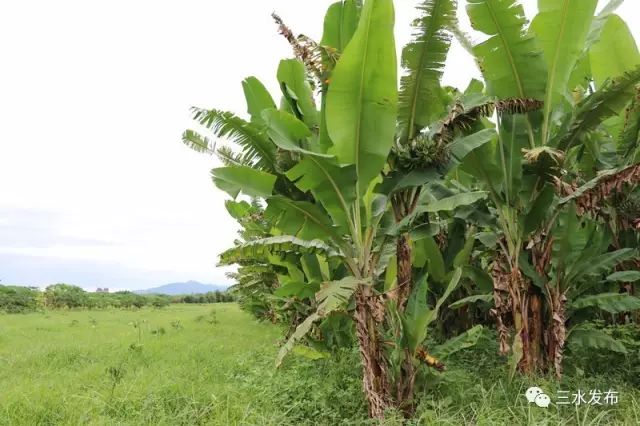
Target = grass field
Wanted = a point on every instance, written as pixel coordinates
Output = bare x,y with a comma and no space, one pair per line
186,365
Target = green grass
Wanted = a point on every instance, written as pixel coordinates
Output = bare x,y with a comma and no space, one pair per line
54,367
477,389
183,365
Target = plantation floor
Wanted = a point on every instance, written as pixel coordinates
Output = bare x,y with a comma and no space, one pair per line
186,365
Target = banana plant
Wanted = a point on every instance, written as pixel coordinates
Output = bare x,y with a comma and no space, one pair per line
555,95
261,279
421,101
337,156
579,260
322,175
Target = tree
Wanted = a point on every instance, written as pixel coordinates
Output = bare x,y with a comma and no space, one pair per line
14,299
65,296
321,175
377,206
555,110
161,301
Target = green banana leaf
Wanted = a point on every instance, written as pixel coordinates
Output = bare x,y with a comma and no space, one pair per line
606,102
455,201
421,99
287,132
616,51
333,186
292,77
462,341
461,147
416,315
625,276
340,23
561,27
613,303
362,97
273,245
302,219
487,298
511,59
331,297
258,99
241,179
594,339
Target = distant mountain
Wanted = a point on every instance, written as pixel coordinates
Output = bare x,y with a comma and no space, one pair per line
190,287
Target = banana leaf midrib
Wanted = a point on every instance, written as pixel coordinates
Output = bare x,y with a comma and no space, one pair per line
365,55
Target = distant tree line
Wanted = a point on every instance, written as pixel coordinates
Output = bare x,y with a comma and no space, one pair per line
210,297
16,299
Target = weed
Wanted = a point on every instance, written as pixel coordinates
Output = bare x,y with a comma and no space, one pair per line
137,324
116,374
136,347
160,331
213,317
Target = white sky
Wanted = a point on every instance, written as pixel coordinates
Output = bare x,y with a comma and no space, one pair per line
95,187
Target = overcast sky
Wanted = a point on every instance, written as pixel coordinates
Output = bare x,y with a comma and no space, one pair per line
95,187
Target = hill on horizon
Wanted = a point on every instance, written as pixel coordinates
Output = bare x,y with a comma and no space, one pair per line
189,287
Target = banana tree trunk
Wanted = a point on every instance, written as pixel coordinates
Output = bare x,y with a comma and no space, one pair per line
404,275
502,305
520,314
536,332
404,385
557,331
382,388
375,380
515,295
529,322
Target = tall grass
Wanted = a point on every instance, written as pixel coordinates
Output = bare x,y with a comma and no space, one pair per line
115,367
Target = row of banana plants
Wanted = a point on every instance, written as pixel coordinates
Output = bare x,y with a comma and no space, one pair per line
373,212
